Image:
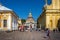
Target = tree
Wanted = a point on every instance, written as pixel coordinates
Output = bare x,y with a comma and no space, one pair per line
23,21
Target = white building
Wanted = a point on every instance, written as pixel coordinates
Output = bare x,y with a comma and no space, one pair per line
8,19
30,21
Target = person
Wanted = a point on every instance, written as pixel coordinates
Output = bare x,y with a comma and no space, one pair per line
30,28
19,28
54,30
22,28
48,33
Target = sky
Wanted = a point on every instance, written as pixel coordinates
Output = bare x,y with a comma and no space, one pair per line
23,7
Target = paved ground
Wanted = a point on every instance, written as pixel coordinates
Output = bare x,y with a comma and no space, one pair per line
35,35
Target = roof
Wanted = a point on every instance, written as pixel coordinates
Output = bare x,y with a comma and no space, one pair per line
30,18
4,8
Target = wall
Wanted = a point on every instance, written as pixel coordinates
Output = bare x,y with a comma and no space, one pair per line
54,16
14,23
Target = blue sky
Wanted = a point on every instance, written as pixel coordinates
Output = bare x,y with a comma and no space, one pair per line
22,7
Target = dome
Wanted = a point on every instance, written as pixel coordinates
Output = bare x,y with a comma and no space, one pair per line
30,14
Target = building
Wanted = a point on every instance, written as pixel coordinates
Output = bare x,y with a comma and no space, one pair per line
8,19
30,21
19,22
50,16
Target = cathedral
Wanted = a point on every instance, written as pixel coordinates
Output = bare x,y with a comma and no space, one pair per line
50,17
8,19
30,21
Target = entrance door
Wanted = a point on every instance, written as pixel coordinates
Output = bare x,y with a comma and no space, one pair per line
58,25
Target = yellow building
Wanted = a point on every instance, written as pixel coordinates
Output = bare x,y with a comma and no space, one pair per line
8,19
19,22
50,15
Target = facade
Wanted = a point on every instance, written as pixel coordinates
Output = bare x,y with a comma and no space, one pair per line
19,22
50,16
30,21
8,19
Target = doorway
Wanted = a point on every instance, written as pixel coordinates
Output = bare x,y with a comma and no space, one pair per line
58,24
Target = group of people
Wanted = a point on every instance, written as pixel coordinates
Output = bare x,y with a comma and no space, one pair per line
23,28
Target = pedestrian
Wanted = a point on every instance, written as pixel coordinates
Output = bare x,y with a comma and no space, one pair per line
54,30
22,28
19,28
30,28
48,33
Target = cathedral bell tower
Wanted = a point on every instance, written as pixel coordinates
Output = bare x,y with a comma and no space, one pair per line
56,4
53,5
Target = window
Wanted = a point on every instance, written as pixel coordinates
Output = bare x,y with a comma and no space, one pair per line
5,23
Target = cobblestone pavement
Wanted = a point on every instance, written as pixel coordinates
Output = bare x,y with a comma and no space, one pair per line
35,35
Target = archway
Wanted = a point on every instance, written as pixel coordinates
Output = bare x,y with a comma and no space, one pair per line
58,24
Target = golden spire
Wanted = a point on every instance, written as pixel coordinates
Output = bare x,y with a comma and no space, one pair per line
30,10
45,6
30,13
0,4
46,2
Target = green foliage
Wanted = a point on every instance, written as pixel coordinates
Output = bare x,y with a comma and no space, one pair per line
23,21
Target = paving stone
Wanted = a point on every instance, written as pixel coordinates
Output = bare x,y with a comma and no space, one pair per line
34,35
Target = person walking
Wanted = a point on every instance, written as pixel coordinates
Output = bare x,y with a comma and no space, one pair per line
22,29
48,33
30,28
